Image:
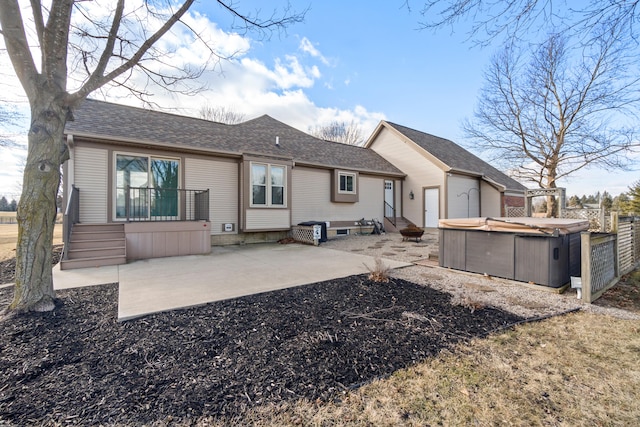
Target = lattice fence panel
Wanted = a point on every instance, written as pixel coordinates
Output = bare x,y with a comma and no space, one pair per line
636,239
515,211
626,246
302,234
592,215
603,260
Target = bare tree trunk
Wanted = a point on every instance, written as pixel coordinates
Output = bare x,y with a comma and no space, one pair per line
552,210
37,208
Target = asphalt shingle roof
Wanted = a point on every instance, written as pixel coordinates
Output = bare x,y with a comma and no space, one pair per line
457,157
258,136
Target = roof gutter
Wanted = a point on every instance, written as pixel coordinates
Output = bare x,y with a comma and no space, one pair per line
494,184
350,168
464,172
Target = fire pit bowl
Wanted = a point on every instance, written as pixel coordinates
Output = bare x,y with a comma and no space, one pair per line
412,232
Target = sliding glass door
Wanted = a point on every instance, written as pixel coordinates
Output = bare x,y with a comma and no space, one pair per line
147,188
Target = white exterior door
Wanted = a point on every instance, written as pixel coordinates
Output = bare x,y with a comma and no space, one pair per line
431,207
388,199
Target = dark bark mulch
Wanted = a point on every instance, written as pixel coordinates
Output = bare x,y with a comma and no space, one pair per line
8,266
78,365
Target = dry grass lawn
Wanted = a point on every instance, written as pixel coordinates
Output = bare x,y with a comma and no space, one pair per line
9,237
580,369
576,370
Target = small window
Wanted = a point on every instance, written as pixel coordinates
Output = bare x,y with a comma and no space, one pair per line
347,183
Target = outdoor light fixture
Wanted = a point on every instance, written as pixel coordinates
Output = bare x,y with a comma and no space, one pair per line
411,194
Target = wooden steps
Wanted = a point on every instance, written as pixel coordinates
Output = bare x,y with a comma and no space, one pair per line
95,245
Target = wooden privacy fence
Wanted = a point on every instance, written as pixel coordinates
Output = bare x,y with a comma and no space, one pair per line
605,257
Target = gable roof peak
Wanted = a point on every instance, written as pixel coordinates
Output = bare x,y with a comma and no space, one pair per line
455,156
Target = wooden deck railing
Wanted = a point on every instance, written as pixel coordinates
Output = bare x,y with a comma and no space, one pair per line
71,216
166,204
390,213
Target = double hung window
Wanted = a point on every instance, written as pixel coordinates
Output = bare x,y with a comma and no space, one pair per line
268,185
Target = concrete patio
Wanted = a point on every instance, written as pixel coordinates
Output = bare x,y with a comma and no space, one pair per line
162,284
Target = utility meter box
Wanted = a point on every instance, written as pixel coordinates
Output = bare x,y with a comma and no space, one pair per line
317,232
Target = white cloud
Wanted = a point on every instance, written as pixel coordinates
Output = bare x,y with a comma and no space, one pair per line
243,83
293,74
12,162
308,47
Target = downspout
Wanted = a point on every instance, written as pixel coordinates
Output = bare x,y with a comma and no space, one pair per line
68,178
67,188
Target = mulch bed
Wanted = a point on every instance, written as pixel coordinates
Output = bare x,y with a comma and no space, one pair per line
8,266
78,365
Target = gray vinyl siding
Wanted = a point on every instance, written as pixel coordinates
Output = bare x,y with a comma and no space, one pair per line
311,198
221,179
420,169
267,219
90,177
310,195
464,197
490,203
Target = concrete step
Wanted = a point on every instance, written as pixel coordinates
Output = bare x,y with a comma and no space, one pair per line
96,252
70,264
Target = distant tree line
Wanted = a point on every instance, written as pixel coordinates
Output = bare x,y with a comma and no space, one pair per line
344,132
626,203
6,206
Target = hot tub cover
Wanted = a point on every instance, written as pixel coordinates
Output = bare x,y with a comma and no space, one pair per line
524,225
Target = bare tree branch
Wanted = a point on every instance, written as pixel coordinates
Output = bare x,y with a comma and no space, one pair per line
38,20
93,84
521,20
251,22
343,132
89,49
221,115
567,108
9,117
17,45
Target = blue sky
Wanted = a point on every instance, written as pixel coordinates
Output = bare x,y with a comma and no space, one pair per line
355,60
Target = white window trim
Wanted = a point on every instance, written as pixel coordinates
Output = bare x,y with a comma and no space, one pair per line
355,185
268,186
114,210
